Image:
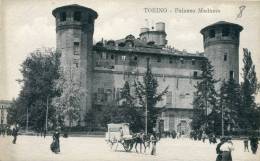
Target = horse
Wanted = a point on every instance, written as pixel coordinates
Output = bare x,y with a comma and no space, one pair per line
142,140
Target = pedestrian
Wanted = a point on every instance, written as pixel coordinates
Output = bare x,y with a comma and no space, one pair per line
246,144
121,133
15,133
213,139
55,145
44,134
153,140
204,136
226,149
218,151
254,144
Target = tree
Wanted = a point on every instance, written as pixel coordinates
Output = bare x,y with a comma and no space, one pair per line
147,94
39,71
248,110
230,101
68,103
205,99
131,112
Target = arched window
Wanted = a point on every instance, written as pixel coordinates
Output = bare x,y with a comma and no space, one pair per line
90,20
77,16
225,56
211,33
63,16
225,31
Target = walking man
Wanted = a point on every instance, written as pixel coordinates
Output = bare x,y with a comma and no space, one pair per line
15,133
254,144
246,144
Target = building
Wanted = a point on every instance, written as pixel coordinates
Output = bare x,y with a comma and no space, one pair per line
102,68
4,106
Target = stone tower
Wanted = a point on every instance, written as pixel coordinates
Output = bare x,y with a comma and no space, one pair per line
74,39
157,36
221,47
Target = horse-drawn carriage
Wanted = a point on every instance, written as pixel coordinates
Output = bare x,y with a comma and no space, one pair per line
119,133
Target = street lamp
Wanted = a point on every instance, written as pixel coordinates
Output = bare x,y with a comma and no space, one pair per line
27,118
46,118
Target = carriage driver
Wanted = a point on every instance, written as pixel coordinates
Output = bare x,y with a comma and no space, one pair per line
121,133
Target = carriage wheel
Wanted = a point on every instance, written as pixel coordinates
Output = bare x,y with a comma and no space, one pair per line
128,145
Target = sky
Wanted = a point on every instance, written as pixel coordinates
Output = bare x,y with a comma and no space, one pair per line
26,25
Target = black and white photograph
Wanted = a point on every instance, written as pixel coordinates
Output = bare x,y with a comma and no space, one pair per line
140,80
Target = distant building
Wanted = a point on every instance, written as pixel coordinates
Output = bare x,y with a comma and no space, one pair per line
4,106
103,68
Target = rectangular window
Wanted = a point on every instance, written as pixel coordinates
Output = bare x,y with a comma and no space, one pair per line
123,57
76,63
169,97
76,48
63,16
182,61
211,33
118,93
116,59
170,61
231,74
193,62
77,16
225,57
177,84
159,59
195,74
225,31
104,55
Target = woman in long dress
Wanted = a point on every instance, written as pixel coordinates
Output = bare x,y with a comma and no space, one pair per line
55,145
226,149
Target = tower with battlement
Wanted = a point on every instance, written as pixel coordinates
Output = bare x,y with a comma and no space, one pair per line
74,39
221,47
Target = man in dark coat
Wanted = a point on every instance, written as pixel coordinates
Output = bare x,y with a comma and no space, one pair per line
15,133
254,144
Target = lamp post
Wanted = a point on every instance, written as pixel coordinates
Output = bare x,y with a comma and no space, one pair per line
46,118
146,103
27,118
222,121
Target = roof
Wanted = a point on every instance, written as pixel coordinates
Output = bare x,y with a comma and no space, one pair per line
222,23
94,13
142,47
6,103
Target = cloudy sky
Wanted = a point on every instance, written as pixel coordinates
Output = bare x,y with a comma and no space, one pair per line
28,24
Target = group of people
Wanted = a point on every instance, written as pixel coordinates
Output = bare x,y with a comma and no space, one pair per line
201,135
5,130
253,144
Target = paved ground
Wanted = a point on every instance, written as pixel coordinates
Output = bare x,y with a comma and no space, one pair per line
33,148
